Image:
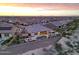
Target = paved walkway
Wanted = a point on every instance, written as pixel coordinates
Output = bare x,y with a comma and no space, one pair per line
22,48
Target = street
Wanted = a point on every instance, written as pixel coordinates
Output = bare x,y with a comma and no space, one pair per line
25,47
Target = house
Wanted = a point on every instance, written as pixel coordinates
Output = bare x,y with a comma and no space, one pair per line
37,30
60,23
6,31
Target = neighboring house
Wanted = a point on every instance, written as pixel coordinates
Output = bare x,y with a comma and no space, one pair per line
6,30
60,23
50,25
37,30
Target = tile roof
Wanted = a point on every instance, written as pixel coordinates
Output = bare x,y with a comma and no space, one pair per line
2,24
37,28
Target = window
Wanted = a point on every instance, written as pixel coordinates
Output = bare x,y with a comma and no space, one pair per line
6,34
0,35
43,33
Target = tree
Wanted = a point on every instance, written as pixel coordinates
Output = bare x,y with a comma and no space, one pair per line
12,40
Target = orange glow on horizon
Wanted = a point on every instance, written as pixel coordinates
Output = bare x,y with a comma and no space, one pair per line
38,9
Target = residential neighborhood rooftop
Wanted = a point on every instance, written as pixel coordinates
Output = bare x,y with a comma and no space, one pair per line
61,22
5,28
37,28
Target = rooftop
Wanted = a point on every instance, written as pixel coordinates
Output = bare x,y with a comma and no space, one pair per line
37,28
59,23
5,28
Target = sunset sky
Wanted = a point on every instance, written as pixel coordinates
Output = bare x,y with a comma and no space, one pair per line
39,9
